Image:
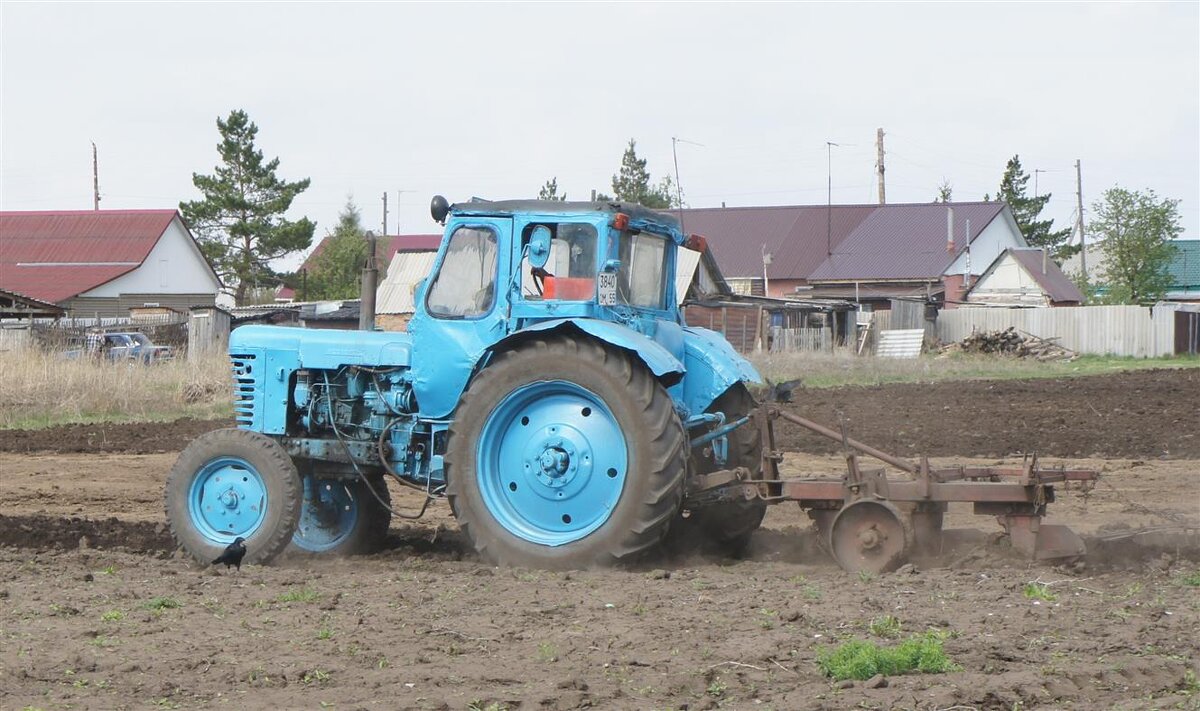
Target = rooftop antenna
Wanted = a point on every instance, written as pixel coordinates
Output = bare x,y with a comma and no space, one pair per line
678,187
829,198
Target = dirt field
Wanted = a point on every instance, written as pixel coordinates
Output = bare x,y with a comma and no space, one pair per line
97,610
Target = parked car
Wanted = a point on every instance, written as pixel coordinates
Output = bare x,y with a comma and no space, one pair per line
125,346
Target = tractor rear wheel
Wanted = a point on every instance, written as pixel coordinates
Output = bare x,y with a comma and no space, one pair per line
342,516
730,524
233,483
565,453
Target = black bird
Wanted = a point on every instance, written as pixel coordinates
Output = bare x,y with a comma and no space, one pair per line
233,554
781,392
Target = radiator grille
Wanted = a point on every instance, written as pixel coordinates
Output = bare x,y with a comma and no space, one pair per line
245,389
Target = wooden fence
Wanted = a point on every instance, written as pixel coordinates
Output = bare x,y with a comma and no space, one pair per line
1136,331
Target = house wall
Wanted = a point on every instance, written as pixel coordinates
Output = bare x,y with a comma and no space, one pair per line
174,266
1008,283
392,322
1000,234
784,288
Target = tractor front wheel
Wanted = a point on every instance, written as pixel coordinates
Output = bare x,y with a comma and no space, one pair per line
565,453
233,483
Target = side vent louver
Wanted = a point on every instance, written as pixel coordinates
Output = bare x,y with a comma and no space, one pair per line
245,385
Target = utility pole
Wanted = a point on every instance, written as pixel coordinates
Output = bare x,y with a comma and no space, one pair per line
1079,209
370,278
829,198
95,179
879,164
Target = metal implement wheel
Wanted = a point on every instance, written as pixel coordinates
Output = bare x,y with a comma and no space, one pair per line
342,516
729,524
230,483
869,536
564,453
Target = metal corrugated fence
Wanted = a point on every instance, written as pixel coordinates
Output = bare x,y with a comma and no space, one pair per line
1136,331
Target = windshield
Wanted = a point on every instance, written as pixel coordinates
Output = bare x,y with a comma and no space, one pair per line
141,338
641,279
464,286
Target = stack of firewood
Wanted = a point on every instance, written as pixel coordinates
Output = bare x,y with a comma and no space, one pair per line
1011,342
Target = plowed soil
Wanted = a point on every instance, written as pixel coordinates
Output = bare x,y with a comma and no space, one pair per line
98,610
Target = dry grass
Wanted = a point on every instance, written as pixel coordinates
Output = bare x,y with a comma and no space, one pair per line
822,370
42,389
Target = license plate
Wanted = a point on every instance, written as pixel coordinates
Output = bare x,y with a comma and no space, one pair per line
608,289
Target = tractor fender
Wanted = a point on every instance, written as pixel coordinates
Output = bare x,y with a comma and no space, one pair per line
712,367
665,366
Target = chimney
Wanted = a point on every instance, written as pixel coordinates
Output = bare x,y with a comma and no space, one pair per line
950,230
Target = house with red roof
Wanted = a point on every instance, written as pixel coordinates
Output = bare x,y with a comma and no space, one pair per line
864,253
104,262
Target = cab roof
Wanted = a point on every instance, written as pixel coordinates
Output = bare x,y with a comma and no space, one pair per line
639,216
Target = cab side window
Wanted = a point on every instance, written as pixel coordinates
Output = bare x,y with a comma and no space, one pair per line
570,271
465,286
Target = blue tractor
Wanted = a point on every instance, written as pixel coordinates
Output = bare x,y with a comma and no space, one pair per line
547,387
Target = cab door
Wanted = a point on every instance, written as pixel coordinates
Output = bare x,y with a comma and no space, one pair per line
461,310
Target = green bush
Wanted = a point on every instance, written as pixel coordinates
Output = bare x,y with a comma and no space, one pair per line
860,659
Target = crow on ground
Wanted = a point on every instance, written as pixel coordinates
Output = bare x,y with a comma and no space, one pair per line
233,554
781,392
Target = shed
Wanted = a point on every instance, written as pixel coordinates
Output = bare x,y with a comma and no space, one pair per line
1024,277
208,331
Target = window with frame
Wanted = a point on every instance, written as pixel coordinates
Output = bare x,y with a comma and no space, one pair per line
641,280
570,271
465,285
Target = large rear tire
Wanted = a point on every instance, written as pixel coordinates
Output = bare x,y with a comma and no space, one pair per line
230,483
565,453
730,524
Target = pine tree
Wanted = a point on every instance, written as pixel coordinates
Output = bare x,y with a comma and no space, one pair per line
240,221
1026,209
632,183
336,271
945,192
549,191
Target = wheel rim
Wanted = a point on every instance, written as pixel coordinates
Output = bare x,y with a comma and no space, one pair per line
868,536
227,499
551,462
328,515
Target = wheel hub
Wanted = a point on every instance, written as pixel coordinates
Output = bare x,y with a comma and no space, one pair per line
227,498
552,462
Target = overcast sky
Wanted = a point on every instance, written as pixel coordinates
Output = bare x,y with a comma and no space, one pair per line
491,100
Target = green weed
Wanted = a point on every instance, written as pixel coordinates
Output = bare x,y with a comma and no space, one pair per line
1192,579
301,595
887,626
162,603
1038,591
546,652
861,659
717,688
112,616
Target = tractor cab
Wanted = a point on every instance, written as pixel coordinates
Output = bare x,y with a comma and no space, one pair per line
506,268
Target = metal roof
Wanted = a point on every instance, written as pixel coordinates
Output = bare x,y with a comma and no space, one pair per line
55,255
793,235
1185,265
1056,284
899,241
395,294
905,242
413,243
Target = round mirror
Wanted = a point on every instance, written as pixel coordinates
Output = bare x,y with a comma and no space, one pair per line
539,246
